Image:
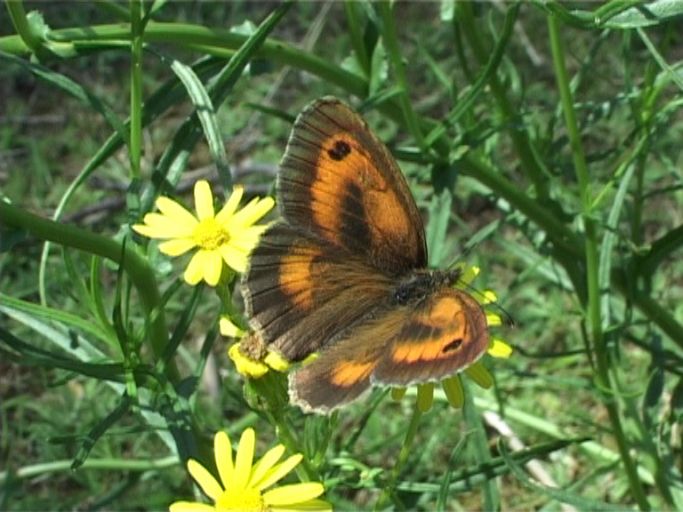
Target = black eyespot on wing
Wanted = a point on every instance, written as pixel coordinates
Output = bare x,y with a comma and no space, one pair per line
340,150
452,345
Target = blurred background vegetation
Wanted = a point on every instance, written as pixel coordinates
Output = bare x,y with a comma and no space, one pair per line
541,141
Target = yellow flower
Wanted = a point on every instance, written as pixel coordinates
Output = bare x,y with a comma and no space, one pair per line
477,372
227,236
242,485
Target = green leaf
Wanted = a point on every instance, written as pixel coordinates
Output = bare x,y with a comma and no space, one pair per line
647,14
207,117
33,312
99,429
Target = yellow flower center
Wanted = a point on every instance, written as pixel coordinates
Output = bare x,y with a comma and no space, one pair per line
248,500
210,235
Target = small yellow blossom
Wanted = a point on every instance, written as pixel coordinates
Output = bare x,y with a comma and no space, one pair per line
243,485
254,368
227,236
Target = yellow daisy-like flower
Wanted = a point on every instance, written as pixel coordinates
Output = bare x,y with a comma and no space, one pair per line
477,372
242,485
227,236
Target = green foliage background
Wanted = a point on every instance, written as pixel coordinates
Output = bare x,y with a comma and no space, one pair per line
542,142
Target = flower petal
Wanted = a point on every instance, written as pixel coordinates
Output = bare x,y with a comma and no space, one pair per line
425,396
293,494
454,392
213,265
247,238
177,246
489,297
190,506
203,200
276,362
498,348
468,275
224,215
175,211
265,463
308,506
229,329
253,212
195,269
398,393
245,456
204,479
479,374
493,320
222,451
245,365
279,471
234,258
157,225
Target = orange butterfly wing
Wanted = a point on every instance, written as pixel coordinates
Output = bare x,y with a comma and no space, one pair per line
301,293
350,224
442,334
340,183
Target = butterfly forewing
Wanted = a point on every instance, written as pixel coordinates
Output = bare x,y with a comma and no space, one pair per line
338,181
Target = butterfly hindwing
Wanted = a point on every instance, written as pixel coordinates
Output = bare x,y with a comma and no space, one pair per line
441,335
341,183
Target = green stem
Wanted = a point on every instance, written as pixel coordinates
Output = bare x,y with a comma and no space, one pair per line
136,35
106,464
17,14
406,449
218,42
592,267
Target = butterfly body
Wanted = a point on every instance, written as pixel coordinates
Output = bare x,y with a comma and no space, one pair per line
344,273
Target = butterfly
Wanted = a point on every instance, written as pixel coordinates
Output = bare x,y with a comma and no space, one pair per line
344,273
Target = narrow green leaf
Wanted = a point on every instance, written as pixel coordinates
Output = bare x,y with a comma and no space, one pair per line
207,117
607,246
99,429
181,328
69,320
647,14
